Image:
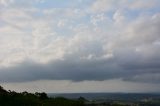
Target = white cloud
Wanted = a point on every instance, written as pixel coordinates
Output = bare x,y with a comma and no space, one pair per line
40,1
119,17
143,4
61,23
102,6
97,18
6,2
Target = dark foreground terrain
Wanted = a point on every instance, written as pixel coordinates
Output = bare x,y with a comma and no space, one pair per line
11,98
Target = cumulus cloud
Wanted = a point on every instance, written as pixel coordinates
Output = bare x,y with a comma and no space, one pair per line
75,44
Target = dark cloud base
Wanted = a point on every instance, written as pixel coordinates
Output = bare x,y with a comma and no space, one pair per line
80,70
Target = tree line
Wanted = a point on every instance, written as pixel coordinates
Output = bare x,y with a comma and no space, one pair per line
12,98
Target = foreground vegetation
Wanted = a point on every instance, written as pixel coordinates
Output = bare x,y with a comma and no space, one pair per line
11,98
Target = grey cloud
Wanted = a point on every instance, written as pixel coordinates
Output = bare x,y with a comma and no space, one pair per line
147,78
59,70
79,70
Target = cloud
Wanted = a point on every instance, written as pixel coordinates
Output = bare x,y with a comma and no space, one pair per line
143,4
102,6
63,86
118,17
148,78
98,43
6,2
112,5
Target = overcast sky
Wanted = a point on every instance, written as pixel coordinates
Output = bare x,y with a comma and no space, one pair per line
80,45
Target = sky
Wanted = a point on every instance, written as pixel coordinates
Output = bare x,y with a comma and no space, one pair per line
71,46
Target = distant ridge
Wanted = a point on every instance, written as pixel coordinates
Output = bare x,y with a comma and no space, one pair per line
124,96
